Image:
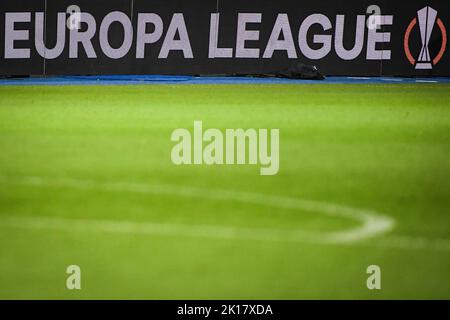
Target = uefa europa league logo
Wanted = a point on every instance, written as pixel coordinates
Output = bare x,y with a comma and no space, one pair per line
426,19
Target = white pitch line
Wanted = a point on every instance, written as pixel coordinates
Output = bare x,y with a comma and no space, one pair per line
391,79
426,81
371,223
133,227
359,78
414,243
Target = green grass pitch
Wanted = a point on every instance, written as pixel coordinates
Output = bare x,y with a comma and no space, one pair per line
384,148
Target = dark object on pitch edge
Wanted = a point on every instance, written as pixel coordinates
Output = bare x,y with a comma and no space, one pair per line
301,71
297,71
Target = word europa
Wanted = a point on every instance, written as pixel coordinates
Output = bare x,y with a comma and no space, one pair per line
237,309
248,44
230,148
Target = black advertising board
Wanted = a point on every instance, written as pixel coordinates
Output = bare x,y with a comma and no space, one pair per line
355,37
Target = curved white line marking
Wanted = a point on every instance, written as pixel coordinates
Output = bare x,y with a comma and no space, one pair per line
414,243
371,223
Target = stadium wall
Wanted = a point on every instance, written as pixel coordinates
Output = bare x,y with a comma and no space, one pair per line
352,37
